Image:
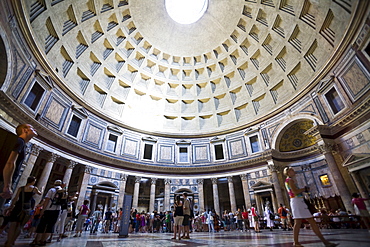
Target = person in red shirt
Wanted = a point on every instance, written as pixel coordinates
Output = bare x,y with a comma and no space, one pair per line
283,216
245,220
361,210
255,218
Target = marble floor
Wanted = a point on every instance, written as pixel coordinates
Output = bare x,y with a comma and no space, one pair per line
276,238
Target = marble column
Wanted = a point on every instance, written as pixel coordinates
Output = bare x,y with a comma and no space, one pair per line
111,201
135,199
274,168
216,201
122,189
158,206
247,198
259,205
35,151
343,190
68,173
43,179
152,194
328,148
360,187
201,194
93,197
167,191
106,203
274,206
231,194
83,186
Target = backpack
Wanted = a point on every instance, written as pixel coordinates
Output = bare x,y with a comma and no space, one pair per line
272,216
58,198
283,212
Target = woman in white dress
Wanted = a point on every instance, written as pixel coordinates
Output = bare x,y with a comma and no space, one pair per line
268,213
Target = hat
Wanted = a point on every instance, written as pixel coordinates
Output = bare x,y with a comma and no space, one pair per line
58,182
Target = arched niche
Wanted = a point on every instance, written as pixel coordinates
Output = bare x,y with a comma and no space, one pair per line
3,62
293,137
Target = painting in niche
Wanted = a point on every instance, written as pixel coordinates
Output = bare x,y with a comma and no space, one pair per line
325,181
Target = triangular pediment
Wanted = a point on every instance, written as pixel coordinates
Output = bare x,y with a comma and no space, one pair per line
149,139
261,185
356,158
46,78
183,142
115,129
324,84
80,111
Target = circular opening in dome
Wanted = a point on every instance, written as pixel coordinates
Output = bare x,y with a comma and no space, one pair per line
186,11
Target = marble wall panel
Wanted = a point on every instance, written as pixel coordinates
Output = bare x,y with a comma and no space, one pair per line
166,153
201,153
130,148
237,148
93,135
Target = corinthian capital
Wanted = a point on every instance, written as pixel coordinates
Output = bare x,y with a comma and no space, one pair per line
327,148
72,164
214,180
243,177
88,169
273,167
200,181
230,179
137,179
53,157
35,150
153,181
167,181
123,177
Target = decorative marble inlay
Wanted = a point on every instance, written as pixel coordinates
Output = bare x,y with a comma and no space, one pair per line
355,79
55,111
236,148
166,152
93,135
130,147
201,153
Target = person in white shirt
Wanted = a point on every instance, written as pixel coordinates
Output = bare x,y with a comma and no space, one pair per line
49,215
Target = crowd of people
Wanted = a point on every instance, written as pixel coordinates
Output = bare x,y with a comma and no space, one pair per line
58,212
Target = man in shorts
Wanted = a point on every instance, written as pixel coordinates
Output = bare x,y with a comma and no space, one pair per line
186,210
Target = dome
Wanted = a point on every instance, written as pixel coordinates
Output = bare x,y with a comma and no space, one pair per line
239,64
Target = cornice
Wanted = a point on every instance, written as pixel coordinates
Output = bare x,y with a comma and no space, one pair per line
355,114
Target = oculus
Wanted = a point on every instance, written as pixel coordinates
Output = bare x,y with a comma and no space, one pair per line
186,11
